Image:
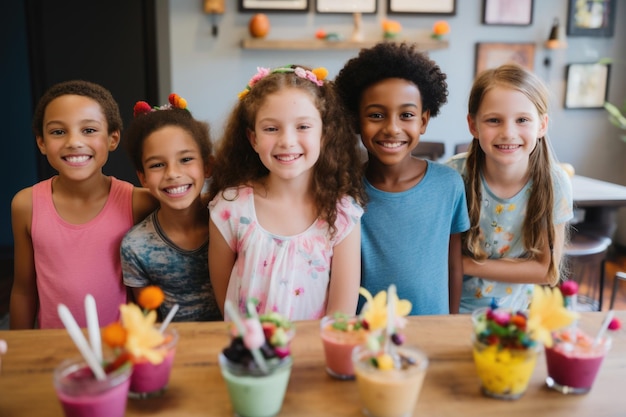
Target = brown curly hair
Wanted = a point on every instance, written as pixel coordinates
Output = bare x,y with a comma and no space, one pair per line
337,172
96,92
539,213
392,60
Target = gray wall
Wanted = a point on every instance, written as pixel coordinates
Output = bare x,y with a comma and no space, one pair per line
209,71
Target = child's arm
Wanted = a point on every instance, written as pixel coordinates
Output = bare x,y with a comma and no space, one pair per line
455,273
221,262
144,203
345,274
519,270
23,305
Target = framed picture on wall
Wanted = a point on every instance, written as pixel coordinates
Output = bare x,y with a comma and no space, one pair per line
273,5
591,18
345,6
508,12
587,85
492,55
433,7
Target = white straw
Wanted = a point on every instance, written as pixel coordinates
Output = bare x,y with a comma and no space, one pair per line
256,353
603,327
169,318
234,316
93,326
391,316
81,343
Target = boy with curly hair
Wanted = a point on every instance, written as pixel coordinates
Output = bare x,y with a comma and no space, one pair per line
416,210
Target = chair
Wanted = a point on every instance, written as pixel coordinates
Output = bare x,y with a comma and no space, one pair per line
461,147
619,276
585,255
429,150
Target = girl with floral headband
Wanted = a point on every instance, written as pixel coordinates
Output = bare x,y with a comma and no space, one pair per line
171,152
67,229
286,199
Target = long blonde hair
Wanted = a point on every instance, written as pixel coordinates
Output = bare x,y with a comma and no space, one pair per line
539,212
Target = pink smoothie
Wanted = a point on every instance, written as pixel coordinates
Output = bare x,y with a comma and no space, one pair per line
338,346
575,365
149,378
81,395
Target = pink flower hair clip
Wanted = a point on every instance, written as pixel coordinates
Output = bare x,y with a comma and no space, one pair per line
316,76
175,102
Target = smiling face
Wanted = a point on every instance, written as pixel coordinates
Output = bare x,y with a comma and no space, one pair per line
174,170
391,119
507,125
75,136
287,134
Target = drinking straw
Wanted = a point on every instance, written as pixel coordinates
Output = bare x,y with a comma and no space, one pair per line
603,327
80,342
391,316
169,318
256,353
93,326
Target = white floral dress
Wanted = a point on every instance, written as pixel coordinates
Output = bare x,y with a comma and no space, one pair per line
286,274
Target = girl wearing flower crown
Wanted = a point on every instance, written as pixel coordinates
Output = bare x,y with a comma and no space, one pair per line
286,199
67,229
171,151
519,200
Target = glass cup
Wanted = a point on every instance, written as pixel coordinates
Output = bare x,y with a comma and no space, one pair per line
393,392
82,395
574,364
149,380
338,346
252,392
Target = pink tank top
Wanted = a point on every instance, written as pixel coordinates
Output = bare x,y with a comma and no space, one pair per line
73,260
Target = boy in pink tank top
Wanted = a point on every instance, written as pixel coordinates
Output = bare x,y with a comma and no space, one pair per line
67,229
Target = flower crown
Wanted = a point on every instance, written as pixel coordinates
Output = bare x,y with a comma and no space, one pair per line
316,75
175,102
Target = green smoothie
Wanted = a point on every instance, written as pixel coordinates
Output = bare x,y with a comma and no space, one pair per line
252,393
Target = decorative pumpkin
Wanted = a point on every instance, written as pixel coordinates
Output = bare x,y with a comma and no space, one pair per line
259,25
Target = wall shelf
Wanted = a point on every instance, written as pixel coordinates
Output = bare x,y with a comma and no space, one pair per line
315,44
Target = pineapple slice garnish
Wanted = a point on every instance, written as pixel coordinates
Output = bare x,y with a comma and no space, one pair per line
547,313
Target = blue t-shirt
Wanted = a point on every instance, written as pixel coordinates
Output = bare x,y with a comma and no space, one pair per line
501,223
405,238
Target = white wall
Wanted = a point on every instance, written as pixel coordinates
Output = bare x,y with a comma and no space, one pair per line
209,71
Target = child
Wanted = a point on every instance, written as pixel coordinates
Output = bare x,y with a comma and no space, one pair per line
416,209
171,152
519,200
285,213
68,229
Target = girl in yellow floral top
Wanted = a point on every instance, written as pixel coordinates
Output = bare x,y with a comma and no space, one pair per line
519,199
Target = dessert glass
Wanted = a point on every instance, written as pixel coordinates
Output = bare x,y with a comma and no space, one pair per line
392,392
253,393
573,362
149,380
82,395
338,345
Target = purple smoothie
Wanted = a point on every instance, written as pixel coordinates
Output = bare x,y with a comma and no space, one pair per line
573,367
82,395
150,380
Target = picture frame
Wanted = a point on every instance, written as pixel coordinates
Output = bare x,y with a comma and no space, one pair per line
591,18
494,54
508,12
294,6
587,85
425,7
346,6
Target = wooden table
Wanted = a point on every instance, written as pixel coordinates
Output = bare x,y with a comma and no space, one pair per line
451,387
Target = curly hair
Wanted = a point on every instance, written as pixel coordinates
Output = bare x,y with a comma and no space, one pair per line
96,92
337,172
392,60
143,125
539,213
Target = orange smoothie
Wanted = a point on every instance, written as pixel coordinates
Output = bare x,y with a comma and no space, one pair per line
393,392
338,346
